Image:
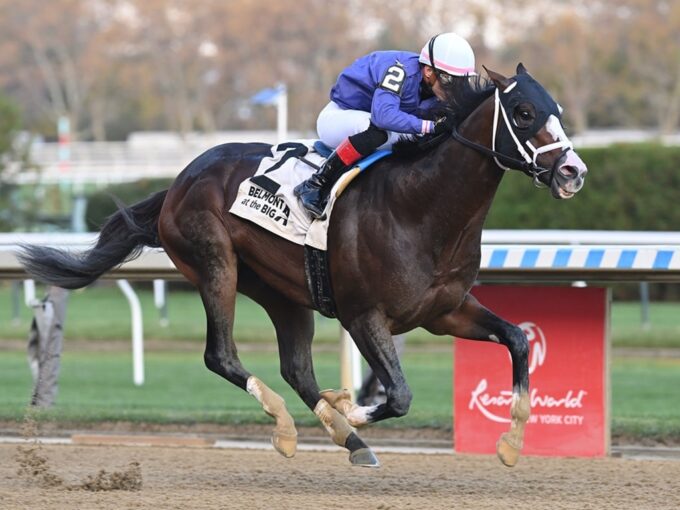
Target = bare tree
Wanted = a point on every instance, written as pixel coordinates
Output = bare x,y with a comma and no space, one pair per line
653,29
559,55
47,46
121,65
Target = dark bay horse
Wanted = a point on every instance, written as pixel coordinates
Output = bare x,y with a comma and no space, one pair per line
403,245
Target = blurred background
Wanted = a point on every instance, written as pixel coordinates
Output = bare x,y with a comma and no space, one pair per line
101,97
95,92
117,67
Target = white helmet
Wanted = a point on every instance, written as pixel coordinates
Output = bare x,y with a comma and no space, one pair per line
451,54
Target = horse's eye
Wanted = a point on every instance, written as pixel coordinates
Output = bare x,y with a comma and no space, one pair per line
523,116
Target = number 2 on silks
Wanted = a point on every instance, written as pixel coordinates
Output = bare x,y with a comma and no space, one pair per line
394,79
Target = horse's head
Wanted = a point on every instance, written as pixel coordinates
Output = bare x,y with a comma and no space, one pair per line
527,124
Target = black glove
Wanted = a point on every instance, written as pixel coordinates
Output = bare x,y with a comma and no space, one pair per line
443,124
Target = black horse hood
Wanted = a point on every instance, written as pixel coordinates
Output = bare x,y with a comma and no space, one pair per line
524,89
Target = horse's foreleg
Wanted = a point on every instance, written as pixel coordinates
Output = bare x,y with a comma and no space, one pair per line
294,331
375,343
475,322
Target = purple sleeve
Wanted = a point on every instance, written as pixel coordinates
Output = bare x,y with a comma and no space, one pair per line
425,107
386,114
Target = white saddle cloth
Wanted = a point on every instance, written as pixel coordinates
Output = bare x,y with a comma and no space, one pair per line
276,208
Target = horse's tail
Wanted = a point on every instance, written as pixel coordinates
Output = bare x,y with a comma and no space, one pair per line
122,238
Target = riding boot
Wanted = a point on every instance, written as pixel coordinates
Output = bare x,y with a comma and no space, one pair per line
313,193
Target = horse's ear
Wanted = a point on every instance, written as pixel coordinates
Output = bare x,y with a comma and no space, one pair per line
498,79
521,69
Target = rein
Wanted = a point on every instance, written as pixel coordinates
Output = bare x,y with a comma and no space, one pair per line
512,162
528,165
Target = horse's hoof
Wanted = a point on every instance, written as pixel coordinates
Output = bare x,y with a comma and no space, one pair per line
285,445
507,453
364,457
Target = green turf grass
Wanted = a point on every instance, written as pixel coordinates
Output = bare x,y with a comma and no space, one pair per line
664,328
179,389
101,312
646,397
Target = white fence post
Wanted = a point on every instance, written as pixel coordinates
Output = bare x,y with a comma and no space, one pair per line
350,363
137,332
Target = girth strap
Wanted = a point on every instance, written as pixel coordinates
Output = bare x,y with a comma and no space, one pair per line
319,281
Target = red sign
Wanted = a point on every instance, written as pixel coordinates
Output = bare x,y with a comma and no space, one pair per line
567,329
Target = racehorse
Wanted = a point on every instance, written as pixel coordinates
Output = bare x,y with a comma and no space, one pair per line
403,252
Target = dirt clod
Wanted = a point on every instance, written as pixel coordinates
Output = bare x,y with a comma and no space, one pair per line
34,466
127,480
33,463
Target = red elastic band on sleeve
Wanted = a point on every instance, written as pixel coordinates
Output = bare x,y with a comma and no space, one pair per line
347,153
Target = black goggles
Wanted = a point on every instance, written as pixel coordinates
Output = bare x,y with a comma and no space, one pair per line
443,77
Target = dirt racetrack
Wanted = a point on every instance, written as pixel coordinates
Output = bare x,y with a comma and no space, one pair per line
68,477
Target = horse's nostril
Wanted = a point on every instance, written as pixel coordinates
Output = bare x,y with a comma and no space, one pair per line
569,171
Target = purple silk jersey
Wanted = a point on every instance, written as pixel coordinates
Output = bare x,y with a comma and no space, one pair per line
386,84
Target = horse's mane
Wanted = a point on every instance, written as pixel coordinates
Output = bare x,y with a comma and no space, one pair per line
463,97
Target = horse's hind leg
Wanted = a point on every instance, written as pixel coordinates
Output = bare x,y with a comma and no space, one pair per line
200,246
475,322
294,332
218,296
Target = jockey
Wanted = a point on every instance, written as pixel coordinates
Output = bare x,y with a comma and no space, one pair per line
380,98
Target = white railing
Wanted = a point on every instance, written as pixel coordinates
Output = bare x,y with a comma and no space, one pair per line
585,237
552,255
143,156
507,255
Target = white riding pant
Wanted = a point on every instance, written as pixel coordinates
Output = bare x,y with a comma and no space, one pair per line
335,124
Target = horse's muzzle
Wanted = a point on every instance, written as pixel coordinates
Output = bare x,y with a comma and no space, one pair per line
569,175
